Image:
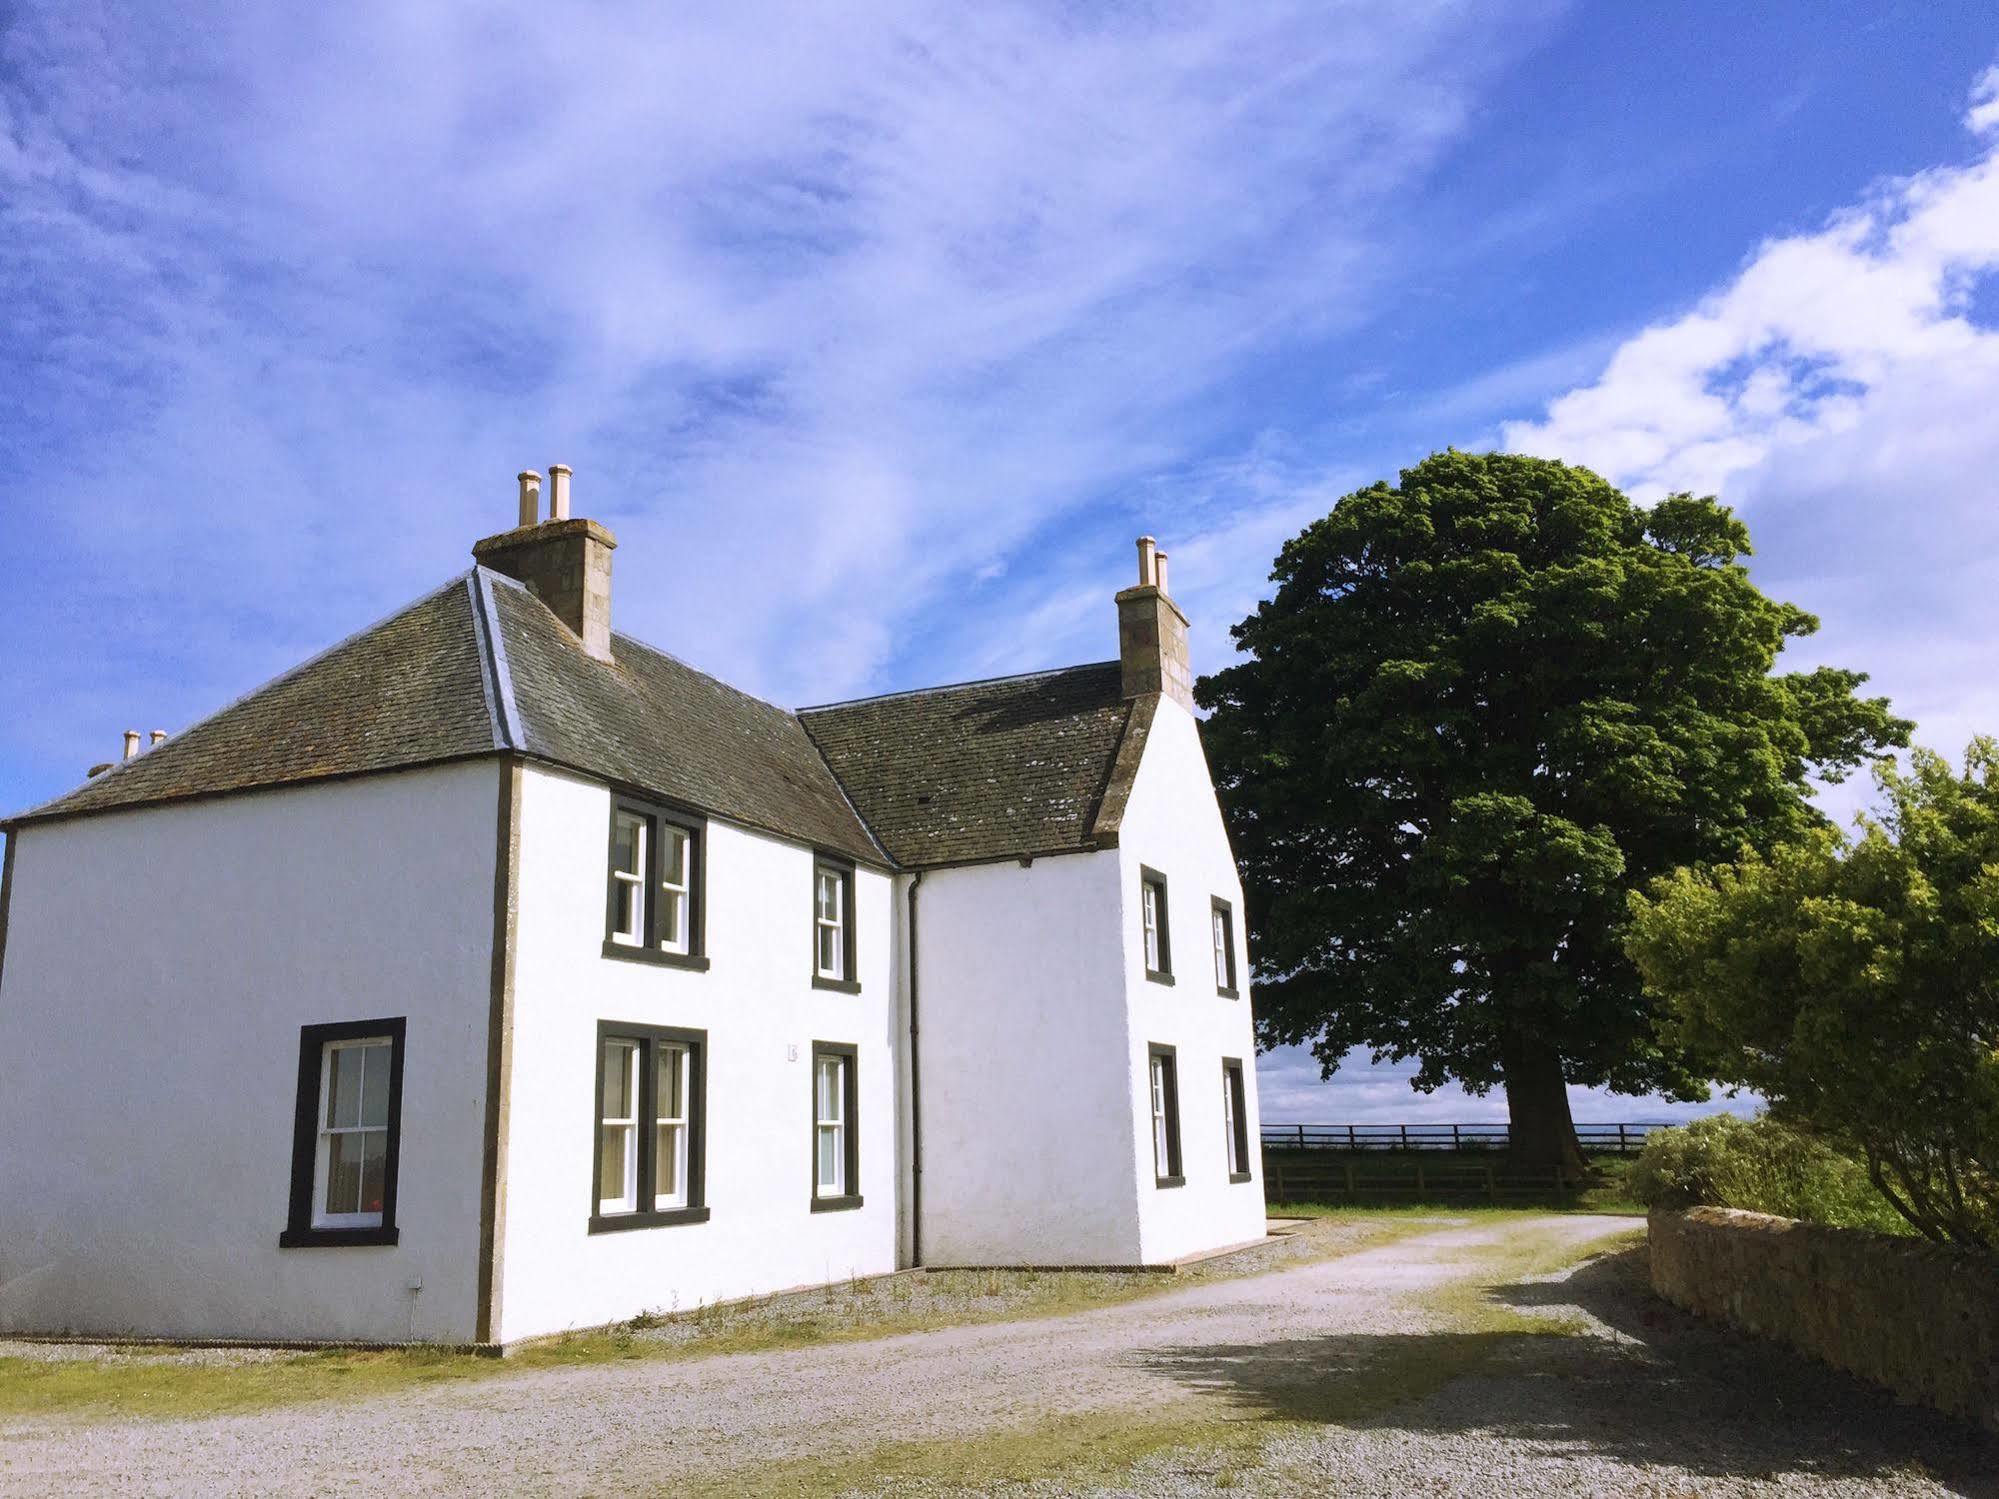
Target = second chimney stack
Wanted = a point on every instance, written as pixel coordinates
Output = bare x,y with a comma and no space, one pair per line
565,563
1152,634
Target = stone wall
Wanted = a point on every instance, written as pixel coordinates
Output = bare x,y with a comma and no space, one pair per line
1918,1317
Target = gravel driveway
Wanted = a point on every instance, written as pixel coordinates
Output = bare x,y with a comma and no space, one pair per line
1381,1372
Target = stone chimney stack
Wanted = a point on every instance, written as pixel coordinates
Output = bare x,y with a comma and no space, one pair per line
565,562
1152,633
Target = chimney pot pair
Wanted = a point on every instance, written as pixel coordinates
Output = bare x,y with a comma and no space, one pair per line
156,738
558,494
1151,564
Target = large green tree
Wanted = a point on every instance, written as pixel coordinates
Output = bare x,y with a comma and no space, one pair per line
1485,704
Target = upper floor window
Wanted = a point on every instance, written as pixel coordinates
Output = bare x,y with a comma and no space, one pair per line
1222,920
1153,921
651,1103
833,926
346,1134
655,889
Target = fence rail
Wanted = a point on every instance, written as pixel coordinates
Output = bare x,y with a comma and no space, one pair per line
1609,1139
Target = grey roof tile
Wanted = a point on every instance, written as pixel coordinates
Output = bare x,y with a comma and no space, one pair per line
986,770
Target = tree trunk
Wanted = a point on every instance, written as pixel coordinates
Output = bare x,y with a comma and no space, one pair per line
1540,1130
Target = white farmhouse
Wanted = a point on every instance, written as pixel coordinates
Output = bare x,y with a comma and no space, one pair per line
494,973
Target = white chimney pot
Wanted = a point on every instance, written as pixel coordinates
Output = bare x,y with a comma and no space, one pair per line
1159,569
1146,548
558,491
131,743
530,482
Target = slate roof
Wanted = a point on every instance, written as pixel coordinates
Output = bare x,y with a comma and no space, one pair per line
985,770
479,667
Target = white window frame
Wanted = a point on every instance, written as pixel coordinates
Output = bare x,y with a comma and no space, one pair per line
1163,1084
676,897
631,883
627,1200
1235,1120
833,927
327,1130
677,1055
1155,917
829,1127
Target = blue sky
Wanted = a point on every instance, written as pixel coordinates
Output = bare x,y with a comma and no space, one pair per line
877,331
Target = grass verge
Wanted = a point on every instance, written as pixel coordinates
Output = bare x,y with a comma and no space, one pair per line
157,1383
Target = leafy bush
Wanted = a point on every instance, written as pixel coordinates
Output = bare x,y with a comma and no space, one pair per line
1761,1165
1856,986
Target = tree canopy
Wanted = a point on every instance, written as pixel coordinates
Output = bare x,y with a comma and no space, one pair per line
1485,704
1857,987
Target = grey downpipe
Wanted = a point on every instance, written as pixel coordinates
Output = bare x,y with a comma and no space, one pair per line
915,1093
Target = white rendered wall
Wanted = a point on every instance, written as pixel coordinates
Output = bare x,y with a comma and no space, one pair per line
1027,1129
159,965
761,1013
1173,824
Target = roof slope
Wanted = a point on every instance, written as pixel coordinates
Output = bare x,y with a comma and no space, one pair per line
405,691
653,721
987,770
481,666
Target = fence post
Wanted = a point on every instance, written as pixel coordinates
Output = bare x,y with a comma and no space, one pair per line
1405,1136
1301,1137
1620,1139
1456,1143
1353,1141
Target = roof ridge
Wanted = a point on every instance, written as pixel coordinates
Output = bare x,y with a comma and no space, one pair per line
1019,676
501,706
243,697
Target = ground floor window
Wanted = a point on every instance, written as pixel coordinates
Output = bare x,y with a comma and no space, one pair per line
1235,1119
651,1096
346,1134
836,1156
1165,1117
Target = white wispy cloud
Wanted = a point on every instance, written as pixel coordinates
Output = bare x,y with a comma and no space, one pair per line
1840,392
831,309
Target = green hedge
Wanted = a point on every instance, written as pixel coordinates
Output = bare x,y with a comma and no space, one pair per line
1763,1166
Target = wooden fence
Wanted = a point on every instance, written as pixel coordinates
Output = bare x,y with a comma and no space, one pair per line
1352,1139
1322,1176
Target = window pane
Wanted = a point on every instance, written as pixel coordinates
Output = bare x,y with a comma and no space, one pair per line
374,1167
829,896
672,920
615,1162
628,844
374,1083
831,955
343,1173
668,1086
618,1079
829,1157
666,1165
673,857
830,1099
343,1092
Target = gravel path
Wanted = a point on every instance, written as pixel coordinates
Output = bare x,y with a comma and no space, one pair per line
1645,1402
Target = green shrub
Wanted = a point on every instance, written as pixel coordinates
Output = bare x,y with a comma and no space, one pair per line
1761,1165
